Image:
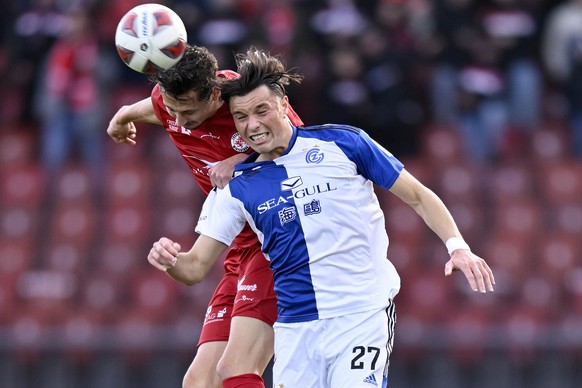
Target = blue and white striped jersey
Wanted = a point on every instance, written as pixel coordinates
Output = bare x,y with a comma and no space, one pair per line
318,219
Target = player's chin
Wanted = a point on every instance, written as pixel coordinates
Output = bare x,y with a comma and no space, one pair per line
263,149
191,126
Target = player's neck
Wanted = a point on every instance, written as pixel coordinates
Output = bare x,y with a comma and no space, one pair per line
216,105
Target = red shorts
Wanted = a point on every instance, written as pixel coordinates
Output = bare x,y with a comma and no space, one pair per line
248,293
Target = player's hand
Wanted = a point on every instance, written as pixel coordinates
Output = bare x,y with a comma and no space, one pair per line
221,173
122,133
164,254
475,269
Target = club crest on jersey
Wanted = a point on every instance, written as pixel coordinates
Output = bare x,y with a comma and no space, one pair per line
287,214
314,155
238,144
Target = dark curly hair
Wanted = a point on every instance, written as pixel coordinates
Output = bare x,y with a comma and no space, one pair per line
195,71
257,68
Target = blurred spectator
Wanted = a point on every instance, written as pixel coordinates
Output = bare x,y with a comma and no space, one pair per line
35,29
486,80
482,108
562,57
336,26
454,33
393,72
222,31
513,27
71,100
338,20
392,114
369,53
468,84
345,92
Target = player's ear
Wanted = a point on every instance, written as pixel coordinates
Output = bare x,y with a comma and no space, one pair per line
285,105
215,95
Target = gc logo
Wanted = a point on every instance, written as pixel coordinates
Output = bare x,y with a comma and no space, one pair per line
314,155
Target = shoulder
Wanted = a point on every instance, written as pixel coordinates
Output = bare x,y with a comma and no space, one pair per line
344,138
330,132
156,92
158,103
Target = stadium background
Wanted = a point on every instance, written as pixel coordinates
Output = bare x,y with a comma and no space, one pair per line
80,306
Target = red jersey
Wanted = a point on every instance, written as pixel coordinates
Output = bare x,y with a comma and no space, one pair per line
214,140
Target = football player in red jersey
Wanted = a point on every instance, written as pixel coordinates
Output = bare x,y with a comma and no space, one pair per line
234,349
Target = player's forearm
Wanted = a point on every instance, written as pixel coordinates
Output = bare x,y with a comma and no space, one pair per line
236,159
436,215
427,204
141,112
189,269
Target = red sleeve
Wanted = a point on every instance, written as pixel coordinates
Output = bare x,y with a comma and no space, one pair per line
294,117
157,102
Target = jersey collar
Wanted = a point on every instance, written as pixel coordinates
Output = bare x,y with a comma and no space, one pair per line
251,163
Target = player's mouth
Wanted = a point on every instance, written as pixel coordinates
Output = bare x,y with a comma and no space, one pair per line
259,137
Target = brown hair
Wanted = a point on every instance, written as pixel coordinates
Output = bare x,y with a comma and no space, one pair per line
257,68
196,71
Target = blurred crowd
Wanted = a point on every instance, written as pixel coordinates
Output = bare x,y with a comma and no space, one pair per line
481,99
492,69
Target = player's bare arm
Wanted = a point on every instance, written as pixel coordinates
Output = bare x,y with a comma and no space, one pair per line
221,173
186,267
122,128
436,215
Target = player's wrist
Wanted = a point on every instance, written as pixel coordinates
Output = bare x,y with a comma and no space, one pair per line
455,243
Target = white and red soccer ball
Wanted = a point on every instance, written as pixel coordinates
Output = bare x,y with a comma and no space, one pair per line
150,38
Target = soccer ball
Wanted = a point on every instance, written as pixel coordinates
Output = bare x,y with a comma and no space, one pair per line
150,38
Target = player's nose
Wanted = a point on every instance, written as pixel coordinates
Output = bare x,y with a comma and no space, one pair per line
253,123
180,119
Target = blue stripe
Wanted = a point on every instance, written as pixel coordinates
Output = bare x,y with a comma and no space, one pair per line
260,192
371,160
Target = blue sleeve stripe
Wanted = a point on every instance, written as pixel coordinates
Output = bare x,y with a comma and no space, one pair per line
372,160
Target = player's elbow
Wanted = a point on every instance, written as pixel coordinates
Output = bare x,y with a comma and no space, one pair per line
192,280
188,278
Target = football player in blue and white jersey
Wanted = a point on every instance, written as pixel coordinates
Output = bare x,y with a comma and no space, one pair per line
308,194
